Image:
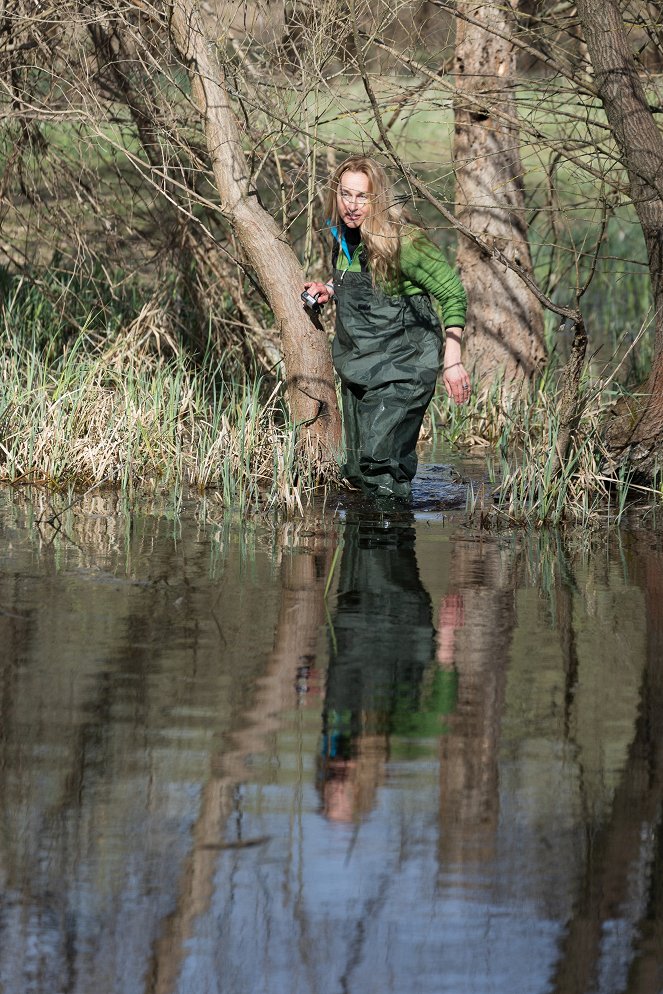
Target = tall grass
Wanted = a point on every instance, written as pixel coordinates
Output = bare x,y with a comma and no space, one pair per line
95,406
124,406
520,436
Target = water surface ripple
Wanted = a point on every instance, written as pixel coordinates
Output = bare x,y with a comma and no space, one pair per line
362,752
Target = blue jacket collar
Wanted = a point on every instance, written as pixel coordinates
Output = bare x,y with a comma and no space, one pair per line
339,235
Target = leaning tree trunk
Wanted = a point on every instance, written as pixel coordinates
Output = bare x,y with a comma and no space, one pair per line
636,433
306,354
115,68
505,321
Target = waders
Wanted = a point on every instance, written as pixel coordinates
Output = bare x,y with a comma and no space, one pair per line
387,355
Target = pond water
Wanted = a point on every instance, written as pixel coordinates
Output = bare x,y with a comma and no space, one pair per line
355,753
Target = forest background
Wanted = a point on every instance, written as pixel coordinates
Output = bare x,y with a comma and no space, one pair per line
163,176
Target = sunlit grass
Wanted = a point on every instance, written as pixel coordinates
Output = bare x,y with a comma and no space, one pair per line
531,481
96,406
89,408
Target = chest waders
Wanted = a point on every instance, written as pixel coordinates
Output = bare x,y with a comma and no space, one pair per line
387,355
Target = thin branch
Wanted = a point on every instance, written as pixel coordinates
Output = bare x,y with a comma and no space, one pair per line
569,314
580,83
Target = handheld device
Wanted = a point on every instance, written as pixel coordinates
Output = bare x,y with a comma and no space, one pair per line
311,300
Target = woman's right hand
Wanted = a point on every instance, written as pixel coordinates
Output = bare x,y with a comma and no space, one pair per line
323,290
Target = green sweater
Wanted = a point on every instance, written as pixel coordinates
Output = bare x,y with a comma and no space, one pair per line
424,269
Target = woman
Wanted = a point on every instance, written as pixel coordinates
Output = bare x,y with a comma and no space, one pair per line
388,339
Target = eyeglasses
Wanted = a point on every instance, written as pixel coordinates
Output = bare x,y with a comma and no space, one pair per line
350,198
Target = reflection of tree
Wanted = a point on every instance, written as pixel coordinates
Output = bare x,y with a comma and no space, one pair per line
301,615
469,799
382,642
564,597
111,645
646,973
631,836
119,660
110,875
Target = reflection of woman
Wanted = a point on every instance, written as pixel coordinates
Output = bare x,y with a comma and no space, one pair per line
382,646
388,338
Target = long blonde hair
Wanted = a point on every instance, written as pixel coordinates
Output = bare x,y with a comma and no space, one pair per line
381,230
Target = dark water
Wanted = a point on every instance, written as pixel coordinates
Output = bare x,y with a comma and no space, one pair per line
446,775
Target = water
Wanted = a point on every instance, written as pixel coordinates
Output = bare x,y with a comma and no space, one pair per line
351,754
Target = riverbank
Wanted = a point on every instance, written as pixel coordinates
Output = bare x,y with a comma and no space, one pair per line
121,403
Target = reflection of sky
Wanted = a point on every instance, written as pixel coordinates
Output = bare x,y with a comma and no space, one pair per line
100,895
96,846
326,907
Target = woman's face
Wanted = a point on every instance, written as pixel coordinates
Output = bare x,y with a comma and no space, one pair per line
353,198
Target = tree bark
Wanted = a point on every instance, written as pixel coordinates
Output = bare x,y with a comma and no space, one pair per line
189,240
505,321
636,433
306,354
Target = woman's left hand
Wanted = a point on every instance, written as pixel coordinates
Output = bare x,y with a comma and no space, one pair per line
457,382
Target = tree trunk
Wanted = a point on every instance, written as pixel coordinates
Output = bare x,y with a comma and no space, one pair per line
505,321
306,354
190,241
636,433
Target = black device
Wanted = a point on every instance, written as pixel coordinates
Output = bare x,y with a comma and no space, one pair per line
311,300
